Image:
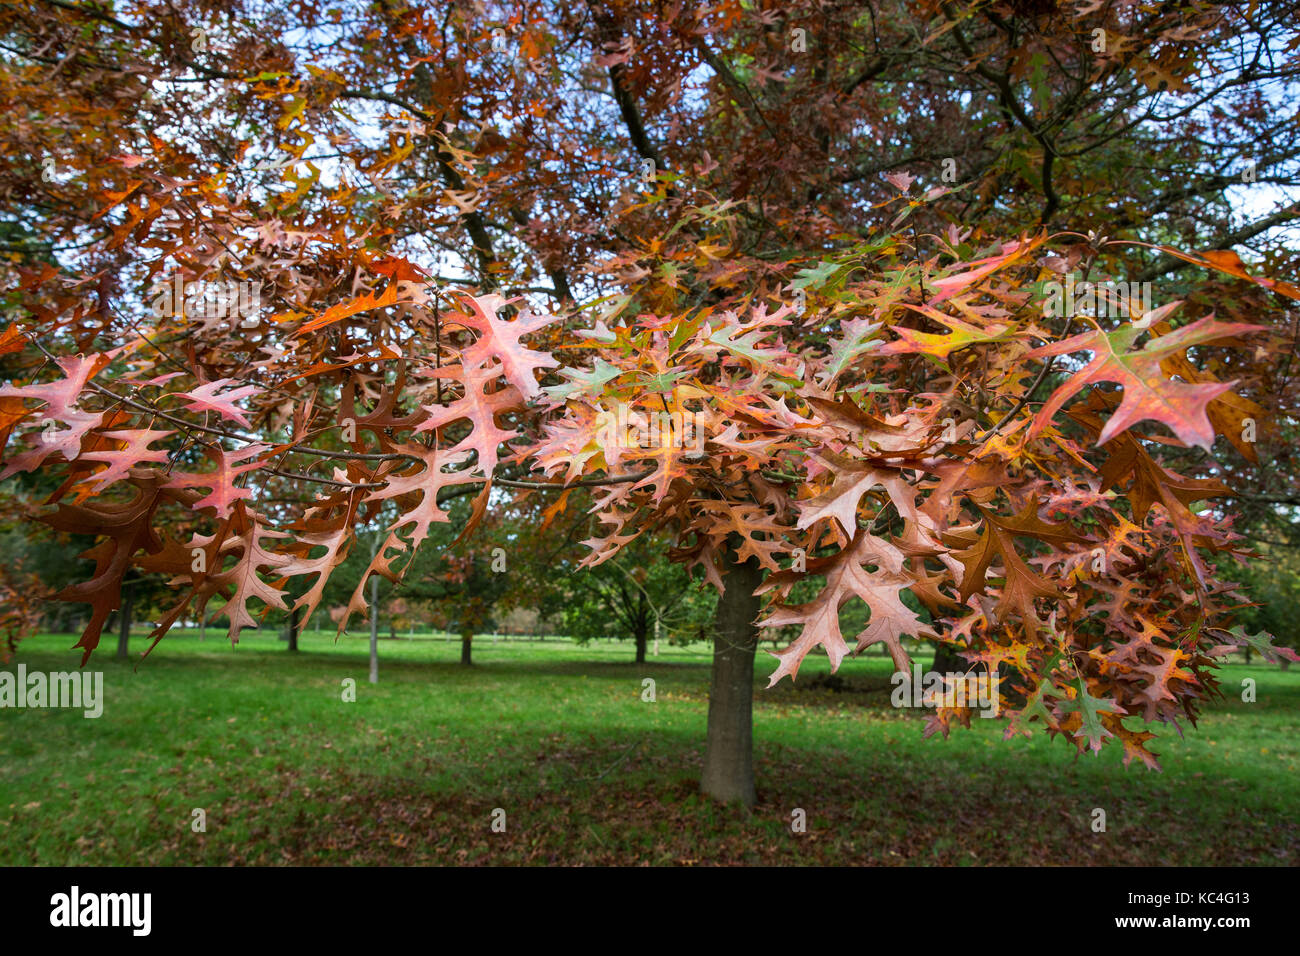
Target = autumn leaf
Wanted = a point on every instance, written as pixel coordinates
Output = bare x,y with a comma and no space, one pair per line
1148,393
60,399
205,398
223,493
136,452
848,576
343,310
498,344
244,578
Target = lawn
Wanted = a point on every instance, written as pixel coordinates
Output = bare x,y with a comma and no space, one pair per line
558,737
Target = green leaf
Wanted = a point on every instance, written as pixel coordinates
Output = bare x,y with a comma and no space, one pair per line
662,382
1035,705
1089,707
1263,643
582,380
817,276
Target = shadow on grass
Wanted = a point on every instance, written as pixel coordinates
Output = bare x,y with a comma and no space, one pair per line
626,803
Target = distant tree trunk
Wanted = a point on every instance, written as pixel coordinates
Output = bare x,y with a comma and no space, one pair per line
1286,663
465,640
729,753
641,636
374,629
295,625
124,626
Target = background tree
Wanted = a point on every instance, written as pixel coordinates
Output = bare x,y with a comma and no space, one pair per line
1273,581
640,594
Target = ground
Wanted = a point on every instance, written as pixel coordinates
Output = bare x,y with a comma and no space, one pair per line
558,736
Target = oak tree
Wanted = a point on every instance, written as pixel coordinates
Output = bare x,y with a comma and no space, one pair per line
828,290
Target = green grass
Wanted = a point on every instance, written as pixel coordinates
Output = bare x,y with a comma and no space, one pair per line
557,735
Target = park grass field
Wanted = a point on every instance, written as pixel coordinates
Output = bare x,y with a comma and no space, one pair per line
557,735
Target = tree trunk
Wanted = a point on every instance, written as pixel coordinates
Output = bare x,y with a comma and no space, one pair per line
641,627
465,640
729,753
374,629
124,626
295,625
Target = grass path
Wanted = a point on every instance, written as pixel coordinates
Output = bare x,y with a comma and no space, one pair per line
558,736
